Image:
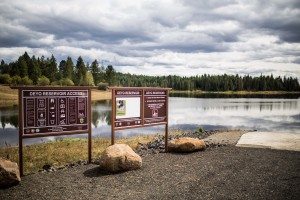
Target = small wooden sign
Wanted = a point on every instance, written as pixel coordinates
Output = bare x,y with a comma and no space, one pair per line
135,107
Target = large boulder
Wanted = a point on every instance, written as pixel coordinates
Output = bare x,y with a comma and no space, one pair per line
119,157
186,144
9,173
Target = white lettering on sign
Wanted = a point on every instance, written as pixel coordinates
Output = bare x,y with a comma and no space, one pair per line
54,93
155,93
73,93
57,93
128,92
36,93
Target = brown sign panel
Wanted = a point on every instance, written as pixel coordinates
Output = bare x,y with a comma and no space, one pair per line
128,112
54,111
51,111
155,102
134,107
138,107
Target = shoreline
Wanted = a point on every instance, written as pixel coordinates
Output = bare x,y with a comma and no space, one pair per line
9,97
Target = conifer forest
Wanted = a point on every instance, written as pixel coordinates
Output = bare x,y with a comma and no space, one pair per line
33,70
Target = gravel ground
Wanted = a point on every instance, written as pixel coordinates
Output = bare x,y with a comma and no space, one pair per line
224,138
220,172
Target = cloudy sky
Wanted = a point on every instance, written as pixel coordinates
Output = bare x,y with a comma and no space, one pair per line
158,37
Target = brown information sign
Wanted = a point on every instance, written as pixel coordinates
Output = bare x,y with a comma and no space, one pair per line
134,107
54,111
155,102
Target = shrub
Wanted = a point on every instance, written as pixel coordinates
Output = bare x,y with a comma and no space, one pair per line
5,79
63,82
102,86
43,80
26,81
88,80
67,82
200,130
16,80
55,83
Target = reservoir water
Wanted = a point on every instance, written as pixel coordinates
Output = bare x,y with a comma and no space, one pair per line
185,113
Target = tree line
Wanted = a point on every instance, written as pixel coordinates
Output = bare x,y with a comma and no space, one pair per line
208,82
45,71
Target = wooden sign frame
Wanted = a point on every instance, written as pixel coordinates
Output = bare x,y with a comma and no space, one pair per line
54,111
137,107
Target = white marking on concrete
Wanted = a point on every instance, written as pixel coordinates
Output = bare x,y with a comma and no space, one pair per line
273,140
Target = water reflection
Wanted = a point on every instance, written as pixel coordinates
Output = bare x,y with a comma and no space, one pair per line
222,96
272,114
9,116
101,113
260,114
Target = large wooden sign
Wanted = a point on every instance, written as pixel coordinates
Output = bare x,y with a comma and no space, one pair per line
134,107
53,111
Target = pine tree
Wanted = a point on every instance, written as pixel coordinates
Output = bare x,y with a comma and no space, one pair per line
110,76
80,72
34,70
69,70
61,70
51,69
22,68
95,71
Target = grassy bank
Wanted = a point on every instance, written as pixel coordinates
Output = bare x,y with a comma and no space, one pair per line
100,95
8,96
64,151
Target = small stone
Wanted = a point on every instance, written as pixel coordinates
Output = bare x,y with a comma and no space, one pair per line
62,167
47,167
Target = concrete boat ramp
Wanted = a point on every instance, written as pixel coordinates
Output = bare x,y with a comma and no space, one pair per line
273,140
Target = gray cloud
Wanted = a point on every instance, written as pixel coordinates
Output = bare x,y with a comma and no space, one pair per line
224,36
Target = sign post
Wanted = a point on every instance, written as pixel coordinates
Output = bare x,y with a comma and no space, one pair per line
136,107
53,111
